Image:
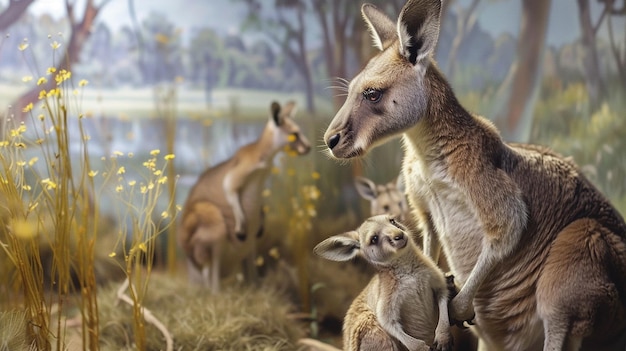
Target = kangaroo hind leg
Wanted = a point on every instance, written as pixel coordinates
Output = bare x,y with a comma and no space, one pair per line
577,295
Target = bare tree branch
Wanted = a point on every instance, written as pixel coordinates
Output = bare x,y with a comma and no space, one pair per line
12,13
80,33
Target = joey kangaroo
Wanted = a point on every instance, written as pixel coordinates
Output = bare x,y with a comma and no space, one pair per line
405,305
225,202
386,198
539,252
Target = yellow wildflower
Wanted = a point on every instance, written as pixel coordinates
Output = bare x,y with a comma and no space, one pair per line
162,180
92,173
32,161
42,94
22,46
158,172
41,81
132,183
274,253
164,214
118,153
121,170
23,228
26,187
28,107
49,184
169,157
83,82
112,254
161,38
27,79
55,45
51,70
143,247
155,152
119,189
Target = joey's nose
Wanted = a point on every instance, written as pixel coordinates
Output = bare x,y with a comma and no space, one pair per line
333,141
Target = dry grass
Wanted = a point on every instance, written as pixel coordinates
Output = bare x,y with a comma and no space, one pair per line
238,318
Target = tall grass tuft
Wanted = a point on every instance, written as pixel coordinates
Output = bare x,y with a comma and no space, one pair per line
49,203
51,249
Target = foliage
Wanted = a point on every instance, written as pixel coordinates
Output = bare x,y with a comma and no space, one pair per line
51,208
593,140
238,318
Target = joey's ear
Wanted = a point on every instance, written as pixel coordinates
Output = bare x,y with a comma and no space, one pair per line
418,28
275,111
342,247
366,188
381,27
290,109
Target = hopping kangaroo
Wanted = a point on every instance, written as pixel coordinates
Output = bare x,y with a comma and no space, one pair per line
225,202
384,198
406,301
538,251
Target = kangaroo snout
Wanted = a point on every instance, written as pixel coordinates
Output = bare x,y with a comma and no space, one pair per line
333,141
398,240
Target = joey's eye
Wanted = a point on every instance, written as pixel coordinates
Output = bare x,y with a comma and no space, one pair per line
374,240
394,223
386,208
372,95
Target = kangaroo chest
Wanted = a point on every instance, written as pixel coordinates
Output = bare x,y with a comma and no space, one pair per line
456,225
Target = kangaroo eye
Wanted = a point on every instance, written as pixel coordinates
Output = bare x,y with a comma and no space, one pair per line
372,95
374,240
386,208
394,223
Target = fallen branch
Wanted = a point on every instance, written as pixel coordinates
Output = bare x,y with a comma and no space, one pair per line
147,315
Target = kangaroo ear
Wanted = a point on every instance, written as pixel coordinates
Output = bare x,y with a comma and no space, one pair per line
342,247
366,188
418,28
290,109
381,27
275,111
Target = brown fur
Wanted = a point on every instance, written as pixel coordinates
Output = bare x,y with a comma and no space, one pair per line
538,250
405,303
226,203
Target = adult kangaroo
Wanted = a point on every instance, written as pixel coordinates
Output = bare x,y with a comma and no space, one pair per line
538,251
226,201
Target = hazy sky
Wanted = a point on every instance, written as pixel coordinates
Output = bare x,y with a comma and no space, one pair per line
495,16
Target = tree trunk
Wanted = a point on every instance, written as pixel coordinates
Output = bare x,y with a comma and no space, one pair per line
465,21
12,13
517,95
591,66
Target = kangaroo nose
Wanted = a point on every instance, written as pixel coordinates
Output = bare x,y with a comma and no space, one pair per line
333,141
